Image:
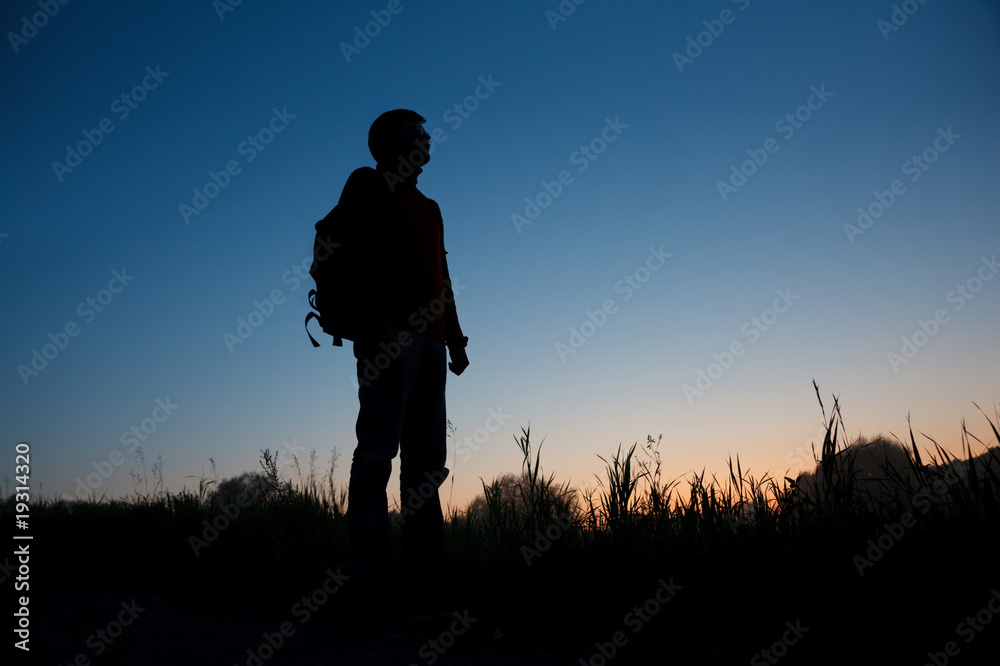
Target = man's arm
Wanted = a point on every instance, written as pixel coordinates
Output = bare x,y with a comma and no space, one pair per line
455,339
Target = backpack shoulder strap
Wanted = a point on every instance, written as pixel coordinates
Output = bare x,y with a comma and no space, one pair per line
337,340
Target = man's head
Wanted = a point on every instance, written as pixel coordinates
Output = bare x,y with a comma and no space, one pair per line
397,138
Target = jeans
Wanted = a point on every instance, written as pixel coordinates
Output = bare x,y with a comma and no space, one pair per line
401,377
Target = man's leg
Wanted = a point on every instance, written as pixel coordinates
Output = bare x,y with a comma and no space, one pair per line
379,427
423,451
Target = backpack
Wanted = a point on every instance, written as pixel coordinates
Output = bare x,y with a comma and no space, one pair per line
325,271
341,299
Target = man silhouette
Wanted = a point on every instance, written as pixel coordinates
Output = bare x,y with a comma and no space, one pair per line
401,363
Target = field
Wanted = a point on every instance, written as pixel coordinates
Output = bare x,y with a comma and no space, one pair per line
851,564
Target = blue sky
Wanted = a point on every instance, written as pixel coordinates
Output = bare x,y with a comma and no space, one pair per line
202,85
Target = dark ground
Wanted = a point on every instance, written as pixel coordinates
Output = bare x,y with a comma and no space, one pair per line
198,626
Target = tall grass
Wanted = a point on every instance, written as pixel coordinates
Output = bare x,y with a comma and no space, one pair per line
632,499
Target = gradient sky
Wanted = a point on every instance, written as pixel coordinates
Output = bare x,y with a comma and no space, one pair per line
224,72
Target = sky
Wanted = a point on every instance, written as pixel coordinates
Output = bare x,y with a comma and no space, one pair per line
662,218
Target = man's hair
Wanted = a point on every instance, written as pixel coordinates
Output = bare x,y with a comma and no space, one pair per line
386,134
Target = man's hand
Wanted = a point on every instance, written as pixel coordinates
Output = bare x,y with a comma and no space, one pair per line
459,360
